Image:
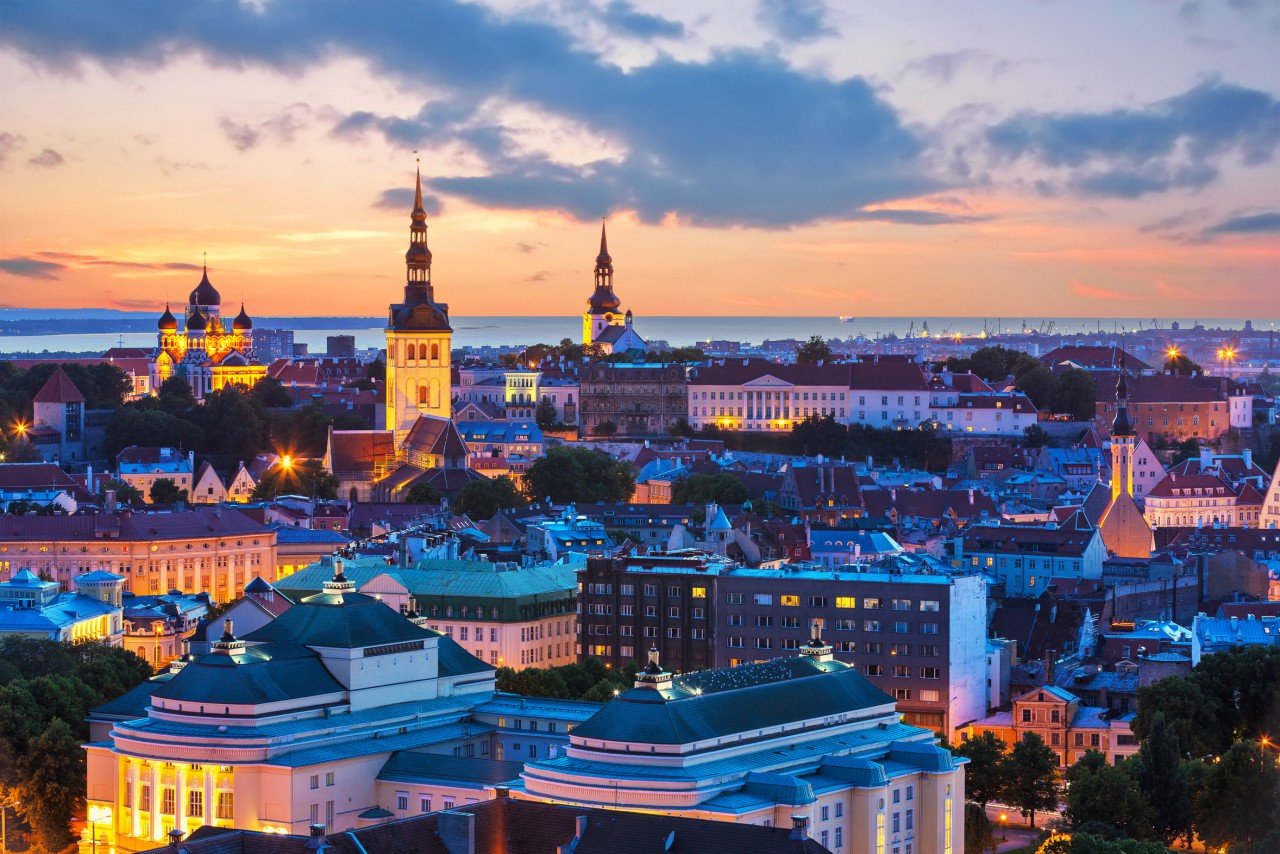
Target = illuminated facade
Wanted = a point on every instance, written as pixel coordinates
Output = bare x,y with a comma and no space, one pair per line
418,339
604,324
33,607
758,744
205,351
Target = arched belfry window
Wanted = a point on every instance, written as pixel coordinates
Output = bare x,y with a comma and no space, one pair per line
409,353
422,395
435,352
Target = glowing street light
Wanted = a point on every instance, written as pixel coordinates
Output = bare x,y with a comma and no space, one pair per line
96,815
286,462
1004,819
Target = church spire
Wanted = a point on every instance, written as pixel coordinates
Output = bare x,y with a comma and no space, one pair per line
418,259
1122,426
603,258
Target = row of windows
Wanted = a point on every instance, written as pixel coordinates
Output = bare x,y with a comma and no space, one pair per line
872,603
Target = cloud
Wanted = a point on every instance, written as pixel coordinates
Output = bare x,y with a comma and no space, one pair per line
1243,225
944,67
1180,220
528,248
622,18
30,268
794,20
76,260
1087,291
1171,144
9,143
47,159
282,127
914,217
691,135
401,199
540,276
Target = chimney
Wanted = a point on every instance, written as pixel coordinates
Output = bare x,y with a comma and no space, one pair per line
799,826
1247,454
1050,662
970,497
88,480
457,831
317,830
110,501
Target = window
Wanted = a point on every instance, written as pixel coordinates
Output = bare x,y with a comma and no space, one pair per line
764,621
699,593
902,693
764,598
1026,716
195,803
823,836
790,622
871,625
674,591
826,813
226,804
911,818
930,673
449,803
901,628
167,799
674,612
1055,716
839,831
870,603
764,643
897,822
928,604
734,643
733,599
734,620
328,779
900,671
424,803
900,649
900,604
817,601
929,649
791,601
928,628
846,602
402,800
315,781
673,633
839,813
873,669
873,647
651,590
928,697
845,625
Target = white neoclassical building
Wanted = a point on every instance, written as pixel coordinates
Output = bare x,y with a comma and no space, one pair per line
759,744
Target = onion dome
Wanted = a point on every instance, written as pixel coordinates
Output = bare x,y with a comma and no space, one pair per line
167,322
205,294
197,322
242,323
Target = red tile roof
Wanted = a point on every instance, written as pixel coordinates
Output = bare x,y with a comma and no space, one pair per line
186,524
59,389
359,450
740,371
1095,358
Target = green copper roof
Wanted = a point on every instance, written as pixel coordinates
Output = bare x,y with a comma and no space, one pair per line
456,661
267,673
340,620
678,715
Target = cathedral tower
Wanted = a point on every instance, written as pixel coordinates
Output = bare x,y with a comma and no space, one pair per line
418,338
602,307
1123,440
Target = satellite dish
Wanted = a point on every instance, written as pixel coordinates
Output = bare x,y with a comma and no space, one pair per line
671,840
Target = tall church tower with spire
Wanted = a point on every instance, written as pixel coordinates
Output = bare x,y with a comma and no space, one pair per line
1123,439
418,338
1124,530
603,306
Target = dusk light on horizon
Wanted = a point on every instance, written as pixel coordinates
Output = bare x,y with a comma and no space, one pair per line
789,158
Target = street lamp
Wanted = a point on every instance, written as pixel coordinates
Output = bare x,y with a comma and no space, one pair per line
97,814
1004,819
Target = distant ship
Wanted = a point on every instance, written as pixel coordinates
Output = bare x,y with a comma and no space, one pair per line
844,318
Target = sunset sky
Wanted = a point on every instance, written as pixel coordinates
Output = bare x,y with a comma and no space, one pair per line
1031,158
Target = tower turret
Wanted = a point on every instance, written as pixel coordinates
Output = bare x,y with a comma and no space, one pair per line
1122,440
167,322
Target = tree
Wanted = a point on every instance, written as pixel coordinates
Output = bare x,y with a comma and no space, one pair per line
270,392
1036,436
1192,715
1098,792
303,477
1075,394
1162,777
1031,776
577,473
166,491
722,488
1237,803
422,493
177,390
126,493
136,424
480,499
1038,383
52,785
1180,365
606,429
988,761
234,423
110,386
979,835
545,413
813,351
22,451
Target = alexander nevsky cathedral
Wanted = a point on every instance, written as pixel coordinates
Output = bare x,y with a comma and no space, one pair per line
204,351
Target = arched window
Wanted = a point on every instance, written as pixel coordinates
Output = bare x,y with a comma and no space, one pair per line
409,353
435,352
422,395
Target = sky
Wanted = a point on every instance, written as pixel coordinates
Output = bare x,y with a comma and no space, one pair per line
1035,158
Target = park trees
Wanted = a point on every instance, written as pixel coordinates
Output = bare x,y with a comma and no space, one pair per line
568,474
1031,776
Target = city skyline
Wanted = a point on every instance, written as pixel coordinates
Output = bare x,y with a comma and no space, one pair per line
779,158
